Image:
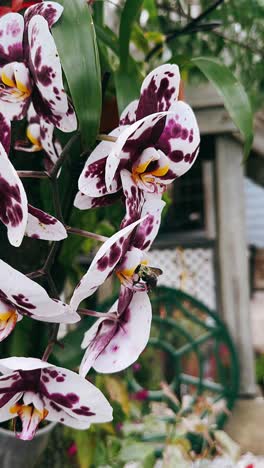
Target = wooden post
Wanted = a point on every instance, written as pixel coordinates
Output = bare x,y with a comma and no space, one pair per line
233,254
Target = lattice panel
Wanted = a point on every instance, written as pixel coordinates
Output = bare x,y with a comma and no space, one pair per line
191,270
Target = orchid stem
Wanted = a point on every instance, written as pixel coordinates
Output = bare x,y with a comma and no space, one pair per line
64,154
82,233
52,342
91,313
103,137
56,199
33,174
36,274
50,258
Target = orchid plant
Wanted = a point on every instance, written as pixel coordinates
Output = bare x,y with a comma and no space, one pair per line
42,78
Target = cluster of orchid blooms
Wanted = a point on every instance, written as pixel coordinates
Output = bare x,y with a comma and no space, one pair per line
157,140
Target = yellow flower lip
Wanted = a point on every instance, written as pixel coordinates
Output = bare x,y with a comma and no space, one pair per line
19,88
35,141
7,81
19,408
4,316
140,172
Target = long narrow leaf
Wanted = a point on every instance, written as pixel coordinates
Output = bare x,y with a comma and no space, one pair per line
76,42
235,98
129,14
127,84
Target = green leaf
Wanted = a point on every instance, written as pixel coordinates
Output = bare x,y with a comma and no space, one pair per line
108,38
71,354
128,16
76,42
235,98
128,85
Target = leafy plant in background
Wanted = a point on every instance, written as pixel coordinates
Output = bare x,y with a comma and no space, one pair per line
155,141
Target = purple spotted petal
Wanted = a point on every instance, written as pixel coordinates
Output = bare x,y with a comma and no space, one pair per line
45,65
96,339
5,132
67,397
15,99
92,178
132,142
29,298
134,198
13,201
128,116
72,400
129,339
42,225
51,11
84,202
66,122
11,34
159,90
147,231
180,139
51,146
103,264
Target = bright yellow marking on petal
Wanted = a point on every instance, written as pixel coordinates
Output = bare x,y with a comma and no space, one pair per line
15,409
7,81
35,141
23,88
6,315
144,262
147,178
18,408
127,272
161,171
142,167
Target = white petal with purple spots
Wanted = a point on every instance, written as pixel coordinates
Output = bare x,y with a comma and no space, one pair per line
180,138
11,35
159,90
45,65
103,264
129,338
13,201
29,298
41,225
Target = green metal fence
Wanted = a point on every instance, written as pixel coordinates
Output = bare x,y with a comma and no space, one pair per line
198,354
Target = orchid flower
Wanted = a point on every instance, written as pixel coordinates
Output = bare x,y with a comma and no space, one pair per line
115,341
123,253
17,5
157,141
40,137
19,217
20,296
34,390
30,67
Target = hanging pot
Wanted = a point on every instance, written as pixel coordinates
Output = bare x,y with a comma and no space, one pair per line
15,453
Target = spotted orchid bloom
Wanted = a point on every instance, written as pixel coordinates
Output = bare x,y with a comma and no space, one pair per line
19,217
30,69
40,136
115,341
20,296
157,141
123,253
33,390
